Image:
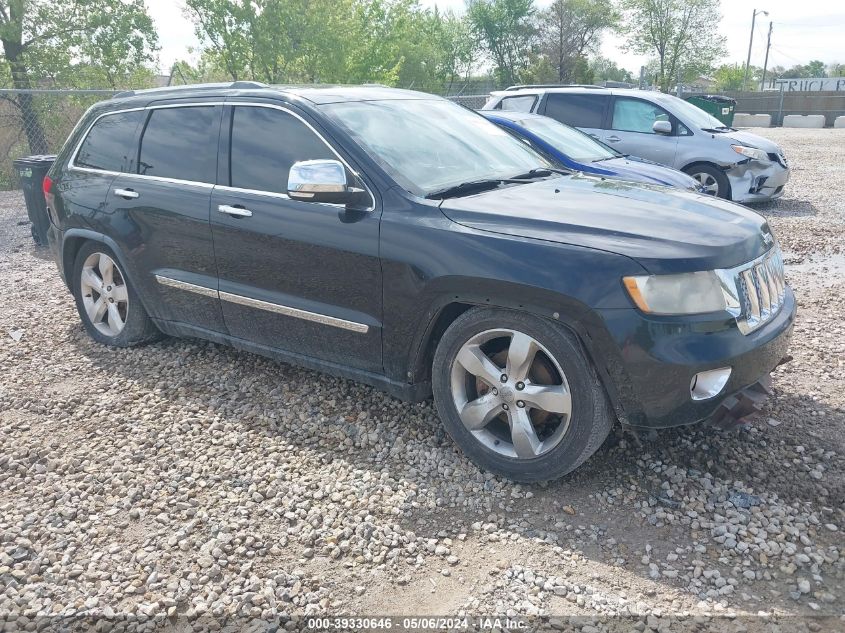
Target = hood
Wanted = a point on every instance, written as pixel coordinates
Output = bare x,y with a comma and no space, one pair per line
639,170
665,230
751,140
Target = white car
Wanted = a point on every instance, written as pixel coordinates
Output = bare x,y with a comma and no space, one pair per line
728,163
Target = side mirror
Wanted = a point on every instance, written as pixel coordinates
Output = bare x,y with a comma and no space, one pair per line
319,181
662,127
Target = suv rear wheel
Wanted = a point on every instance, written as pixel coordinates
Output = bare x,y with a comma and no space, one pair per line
517,394
107,303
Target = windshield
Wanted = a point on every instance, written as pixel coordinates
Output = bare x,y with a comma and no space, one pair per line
428,145
690,114
574,143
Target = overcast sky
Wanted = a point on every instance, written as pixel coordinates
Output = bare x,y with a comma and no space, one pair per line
812,29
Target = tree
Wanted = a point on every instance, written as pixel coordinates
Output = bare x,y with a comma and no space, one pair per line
570,29
731,77
682,35
507,32
604,69
57,39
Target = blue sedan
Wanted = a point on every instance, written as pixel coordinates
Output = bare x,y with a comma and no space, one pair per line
576,150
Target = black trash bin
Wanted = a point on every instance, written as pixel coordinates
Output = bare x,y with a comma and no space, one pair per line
31,170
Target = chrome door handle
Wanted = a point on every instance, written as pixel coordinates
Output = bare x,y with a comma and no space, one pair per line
129,194
613,139
238,212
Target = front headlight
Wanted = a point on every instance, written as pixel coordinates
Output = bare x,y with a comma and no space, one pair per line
750,152
686,293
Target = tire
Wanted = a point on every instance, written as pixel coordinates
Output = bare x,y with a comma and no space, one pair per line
103,306
712,178
481,413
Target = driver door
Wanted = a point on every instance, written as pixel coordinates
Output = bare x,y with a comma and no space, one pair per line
631,130
302,277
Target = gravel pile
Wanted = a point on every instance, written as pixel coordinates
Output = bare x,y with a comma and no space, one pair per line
189,480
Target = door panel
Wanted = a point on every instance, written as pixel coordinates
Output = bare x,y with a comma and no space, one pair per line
166,235
631,131
162,215
300,276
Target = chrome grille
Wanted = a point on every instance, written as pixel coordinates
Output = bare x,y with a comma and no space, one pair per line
761,287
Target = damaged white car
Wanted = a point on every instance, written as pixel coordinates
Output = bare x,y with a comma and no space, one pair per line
728,163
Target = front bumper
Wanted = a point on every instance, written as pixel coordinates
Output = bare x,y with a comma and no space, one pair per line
658,357
755,181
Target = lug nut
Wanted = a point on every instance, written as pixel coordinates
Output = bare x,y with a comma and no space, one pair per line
505,407
504,378
520,386
520,404
495,391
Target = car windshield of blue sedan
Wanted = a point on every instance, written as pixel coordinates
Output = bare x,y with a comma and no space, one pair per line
429,145
577,145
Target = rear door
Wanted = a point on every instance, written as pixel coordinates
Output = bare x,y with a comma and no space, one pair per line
162,212
586,111
631,130
304,277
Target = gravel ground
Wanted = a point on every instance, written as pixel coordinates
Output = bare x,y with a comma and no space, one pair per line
188,480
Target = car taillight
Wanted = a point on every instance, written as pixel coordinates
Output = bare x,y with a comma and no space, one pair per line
47,186
49,198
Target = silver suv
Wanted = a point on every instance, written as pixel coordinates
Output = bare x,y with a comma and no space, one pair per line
728,163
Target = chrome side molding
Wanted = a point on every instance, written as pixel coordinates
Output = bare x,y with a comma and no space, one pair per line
278,308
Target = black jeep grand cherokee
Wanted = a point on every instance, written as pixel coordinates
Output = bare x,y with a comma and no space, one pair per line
401,240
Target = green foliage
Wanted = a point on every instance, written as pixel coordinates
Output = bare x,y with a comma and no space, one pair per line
507,32
815,68
606,70
569,30
681,35
731,76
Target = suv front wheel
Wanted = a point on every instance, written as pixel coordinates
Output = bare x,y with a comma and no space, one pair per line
517,394
107,303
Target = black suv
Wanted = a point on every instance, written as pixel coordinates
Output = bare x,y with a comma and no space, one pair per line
401,240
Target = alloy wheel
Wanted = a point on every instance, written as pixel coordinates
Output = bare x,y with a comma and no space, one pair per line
104,294
511,393
708,183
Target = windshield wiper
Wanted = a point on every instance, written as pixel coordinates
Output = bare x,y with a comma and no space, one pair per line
720,129
471,186
541,172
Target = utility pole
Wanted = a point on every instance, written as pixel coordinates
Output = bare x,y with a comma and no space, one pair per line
766,63
750,42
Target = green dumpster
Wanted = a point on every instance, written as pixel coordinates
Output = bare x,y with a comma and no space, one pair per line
720,107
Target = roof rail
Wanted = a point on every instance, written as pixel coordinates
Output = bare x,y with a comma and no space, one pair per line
235,85
521,86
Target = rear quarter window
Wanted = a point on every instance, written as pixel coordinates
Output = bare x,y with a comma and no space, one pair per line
517,104
110,143
577,110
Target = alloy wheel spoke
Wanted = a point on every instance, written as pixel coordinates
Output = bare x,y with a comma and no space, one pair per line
521,355
106,266
115,320
478,413
551,398
476,362
119,293
524,437
90,278
97,310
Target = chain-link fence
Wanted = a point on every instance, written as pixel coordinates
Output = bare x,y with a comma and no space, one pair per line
38,122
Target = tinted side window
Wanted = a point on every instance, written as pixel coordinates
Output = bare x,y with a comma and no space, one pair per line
635,115
181,143
517,104
110,145
577,110
265,143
